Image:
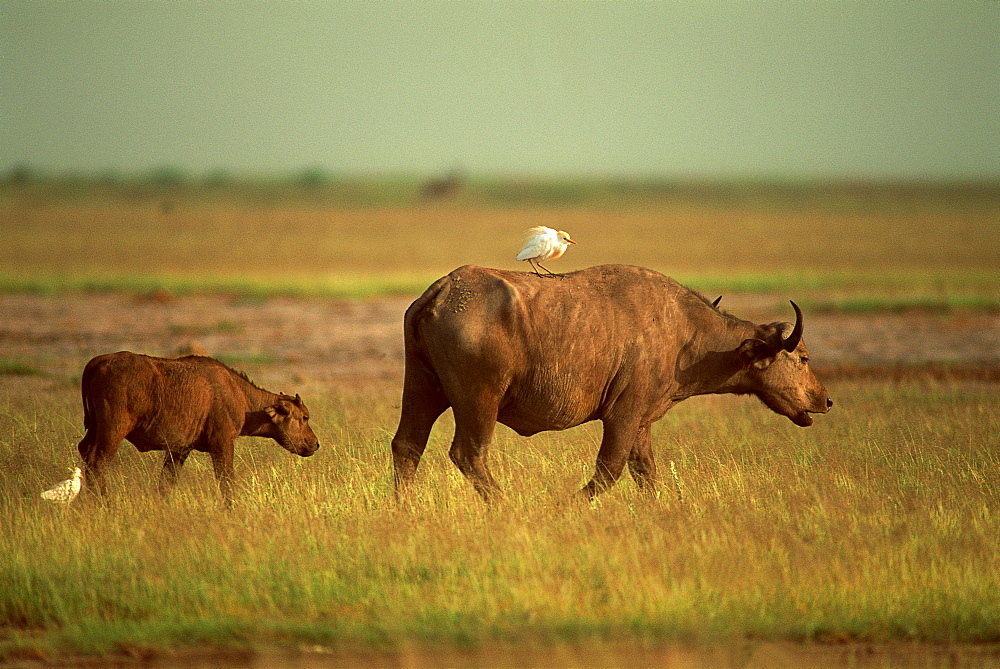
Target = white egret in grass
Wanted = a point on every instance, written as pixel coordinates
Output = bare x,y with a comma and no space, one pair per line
542,243
65,491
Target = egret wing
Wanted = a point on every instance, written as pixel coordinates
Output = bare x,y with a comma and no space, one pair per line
537,243
60,492
64,491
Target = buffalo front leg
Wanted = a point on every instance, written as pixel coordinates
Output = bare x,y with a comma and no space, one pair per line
640,460
616,446
423,402
172,463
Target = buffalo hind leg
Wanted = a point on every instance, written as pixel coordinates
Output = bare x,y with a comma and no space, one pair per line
475,421
640,461
423,402
616,446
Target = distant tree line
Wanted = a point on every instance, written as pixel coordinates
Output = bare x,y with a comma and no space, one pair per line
319,184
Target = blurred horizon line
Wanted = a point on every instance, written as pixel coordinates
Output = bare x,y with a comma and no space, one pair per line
315,175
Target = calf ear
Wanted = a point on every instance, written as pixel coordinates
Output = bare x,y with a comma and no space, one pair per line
755,352
275,410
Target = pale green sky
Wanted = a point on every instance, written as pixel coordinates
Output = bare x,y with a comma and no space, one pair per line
807,89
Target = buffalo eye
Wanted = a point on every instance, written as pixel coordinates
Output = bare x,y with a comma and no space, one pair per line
804,359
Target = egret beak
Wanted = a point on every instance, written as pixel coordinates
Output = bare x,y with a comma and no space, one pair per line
570,241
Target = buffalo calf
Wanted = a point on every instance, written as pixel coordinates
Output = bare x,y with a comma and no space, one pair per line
181,405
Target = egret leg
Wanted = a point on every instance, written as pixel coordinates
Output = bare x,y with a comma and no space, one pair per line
550,272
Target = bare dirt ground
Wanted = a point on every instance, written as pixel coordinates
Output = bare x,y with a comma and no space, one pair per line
742,655
323,342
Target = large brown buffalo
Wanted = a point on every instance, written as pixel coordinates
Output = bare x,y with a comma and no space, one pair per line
178,406
614,343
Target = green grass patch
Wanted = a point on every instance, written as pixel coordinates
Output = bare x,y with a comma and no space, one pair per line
10,367
944,304
254,359
244,288
936,292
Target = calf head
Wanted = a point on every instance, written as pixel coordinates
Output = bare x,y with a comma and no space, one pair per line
290,426
776,369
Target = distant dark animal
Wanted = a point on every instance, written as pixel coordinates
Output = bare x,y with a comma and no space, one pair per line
444,187
180,405
613,343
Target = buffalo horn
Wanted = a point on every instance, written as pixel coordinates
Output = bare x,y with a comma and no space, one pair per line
792,341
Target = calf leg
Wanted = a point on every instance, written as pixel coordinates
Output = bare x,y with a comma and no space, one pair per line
172,463
88,453
96,449
222,463
423,402
640,460
475,421
616,447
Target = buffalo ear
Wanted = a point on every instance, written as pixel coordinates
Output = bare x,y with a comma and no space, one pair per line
298,400
275,410
756,352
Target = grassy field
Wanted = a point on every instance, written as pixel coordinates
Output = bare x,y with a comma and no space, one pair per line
879,523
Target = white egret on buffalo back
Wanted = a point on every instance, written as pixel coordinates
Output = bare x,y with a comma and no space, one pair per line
542,243
65,491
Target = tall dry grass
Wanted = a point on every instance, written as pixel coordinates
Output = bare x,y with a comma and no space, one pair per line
878,523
